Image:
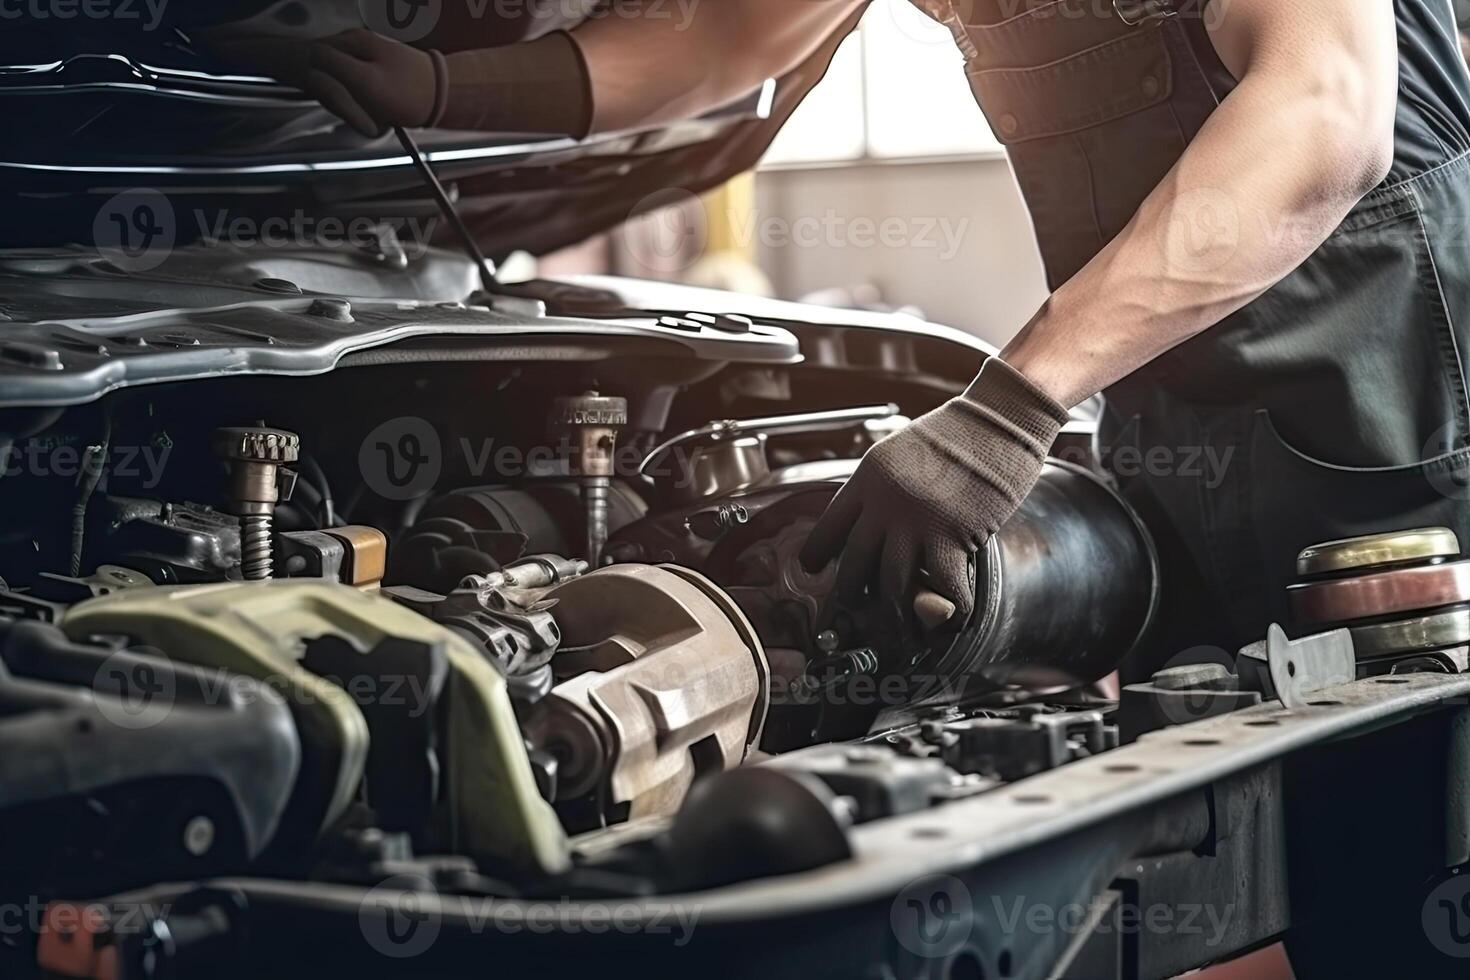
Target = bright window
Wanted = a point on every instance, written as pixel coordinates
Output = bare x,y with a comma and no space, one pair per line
895,89
829,125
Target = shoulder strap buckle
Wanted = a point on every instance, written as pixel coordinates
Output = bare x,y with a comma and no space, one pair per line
1135,12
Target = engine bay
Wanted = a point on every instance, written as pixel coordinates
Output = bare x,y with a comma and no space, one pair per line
368,610
498,610
326,626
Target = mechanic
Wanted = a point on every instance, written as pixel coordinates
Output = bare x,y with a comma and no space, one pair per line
1250,214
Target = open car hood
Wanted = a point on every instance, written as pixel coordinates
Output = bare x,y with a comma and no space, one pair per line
108,110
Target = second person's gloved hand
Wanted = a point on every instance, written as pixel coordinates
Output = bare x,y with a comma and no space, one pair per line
929,496
375,83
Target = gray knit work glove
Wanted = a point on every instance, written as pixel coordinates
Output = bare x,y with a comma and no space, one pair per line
375,83
929,496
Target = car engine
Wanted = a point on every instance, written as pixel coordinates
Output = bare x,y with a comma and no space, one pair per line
514,624
370,607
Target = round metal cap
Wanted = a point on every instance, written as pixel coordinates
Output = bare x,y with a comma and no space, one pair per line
1385,593
590,409
1439,631
257,445
1392,548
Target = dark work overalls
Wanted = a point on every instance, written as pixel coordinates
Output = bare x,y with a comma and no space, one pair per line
1332,406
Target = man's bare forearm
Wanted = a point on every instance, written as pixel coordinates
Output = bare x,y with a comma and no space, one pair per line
650,70
1305,135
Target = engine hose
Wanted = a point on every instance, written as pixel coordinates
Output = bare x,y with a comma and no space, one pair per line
93,463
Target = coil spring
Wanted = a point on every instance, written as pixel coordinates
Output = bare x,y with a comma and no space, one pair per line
255,547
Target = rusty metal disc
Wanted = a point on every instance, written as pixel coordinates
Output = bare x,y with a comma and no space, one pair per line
1392,548
1387,593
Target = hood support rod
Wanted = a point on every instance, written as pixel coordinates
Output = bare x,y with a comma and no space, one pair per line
488,281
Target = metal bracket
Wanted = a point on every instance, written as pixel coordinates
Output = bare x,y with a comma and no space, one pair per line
801,423
1299,667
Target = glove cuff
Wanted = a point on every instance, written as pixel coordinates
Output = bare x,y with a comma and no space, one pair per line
540,86
441,88
1007,398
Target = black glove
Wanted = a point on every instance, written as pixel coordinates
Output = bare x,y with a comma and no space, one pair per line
931,495
375,83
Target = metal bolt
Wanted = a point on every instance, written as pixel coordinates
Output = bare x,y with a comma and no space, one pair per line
593,421
331,308
199,836
256,456
284,286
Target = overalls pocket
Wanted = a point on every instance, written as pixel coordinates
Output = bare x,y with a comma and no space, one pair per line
1096,85
1341,391
1093,84
999,35
1354,352
1299,500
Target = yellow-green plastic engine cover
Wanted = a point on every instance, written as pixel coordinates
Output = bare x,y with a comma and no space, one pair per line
260,629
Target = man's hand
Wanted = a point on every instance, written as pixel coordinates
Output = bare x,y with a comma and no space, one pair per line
370,81
375,83
930,496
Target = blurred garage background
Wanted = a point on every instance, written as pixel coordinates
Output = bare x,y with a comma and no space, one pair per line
885,190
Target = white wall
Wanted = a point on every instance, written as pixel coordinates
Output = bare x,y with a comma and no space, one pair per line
950,237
